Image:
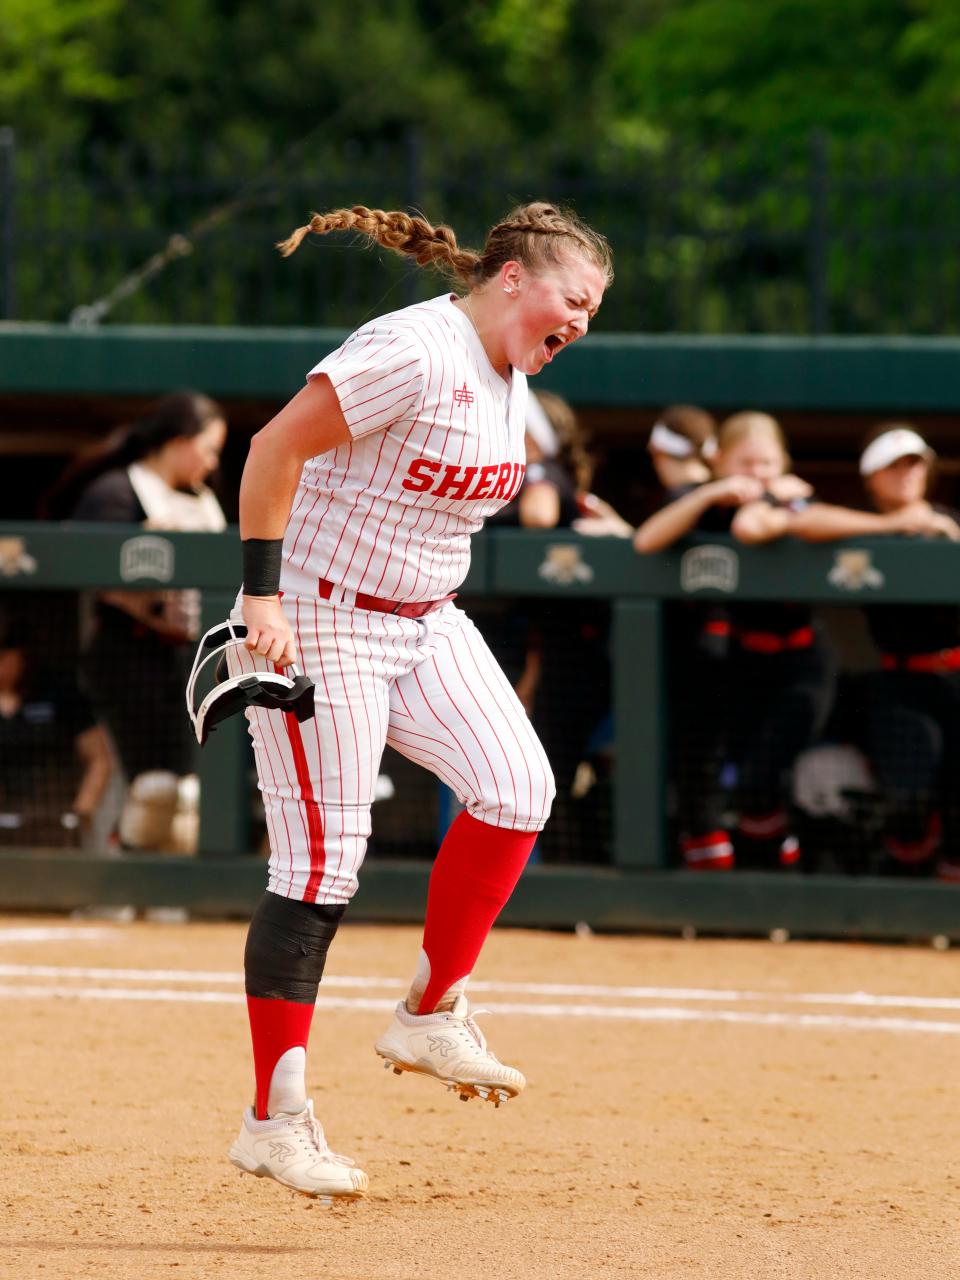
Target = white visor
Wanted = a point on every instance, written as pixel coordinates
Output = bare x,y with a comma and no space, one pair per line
672,443
540,428
893,445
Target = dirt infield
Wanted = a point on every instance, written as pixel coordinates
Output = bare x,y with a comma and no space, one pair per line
742,1115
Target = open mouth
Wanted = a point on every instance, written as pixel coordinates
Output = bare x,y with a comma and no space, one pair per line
552,344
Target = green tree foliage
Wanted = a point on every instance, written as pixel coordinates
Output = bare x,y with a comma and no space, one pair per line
752,160
55,64
725,70
480,73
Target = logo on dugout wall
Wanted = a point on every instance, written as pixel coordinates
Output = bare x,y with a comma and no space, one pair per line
712,567
562,564
14,558
854,570
146,557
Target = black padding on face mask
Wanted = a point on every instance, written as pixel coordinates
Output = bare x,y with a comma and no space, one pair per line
287,947
252,693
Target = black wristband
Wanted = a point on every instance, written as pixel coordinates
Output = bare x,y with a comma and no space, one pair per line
262,559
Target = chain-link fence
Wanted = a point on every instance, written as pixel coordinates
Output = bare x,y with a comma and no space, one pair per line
824,236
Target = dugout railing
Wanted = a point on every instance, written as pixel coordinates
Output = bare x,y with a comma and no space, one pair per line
639,889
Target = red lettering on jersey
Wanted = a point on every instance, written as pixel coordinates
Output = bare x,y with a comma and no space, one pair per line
420,475
486,480
504,479
452,485
519,472
463,395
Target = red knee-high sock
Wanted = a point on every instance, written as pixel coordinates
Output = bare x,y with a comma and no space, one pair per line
475,872
275,1026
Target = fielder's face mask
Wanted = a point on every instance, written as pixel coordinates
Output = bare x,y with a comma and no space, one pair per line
277,691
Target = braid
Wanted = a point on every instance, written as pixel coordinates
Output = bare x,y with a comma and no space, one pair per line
536,234
543,218
428,245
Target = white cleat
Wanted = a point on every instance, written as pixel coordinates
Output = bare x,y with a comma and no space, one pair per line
293,1151
451,1048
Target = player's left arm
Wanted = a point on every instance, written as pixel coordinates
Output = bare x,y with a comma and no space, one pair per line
96,758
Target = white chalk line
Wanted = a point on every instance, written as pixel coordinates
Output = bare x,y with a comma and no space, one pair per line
857,999
629,1013
50,933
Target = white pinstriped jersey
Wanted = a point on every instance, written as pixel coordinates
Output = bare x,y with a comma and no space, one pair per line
437,446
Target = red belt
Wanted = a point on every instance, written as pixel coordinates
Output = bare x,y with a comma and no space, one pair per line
938,663
360,600
773,642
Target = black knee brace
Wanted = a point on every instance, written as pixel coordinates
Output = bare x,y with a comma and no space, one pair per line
287,948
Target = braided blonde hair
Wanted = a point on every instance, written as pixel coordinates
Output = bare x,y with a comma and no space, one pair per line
536,235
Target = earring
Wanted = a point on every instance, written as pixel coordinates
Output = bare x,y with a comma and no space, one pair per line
507,289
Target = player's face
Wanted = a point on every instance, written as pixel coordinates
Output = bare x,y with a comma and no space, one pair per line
552,308
903,482
196,456
757,455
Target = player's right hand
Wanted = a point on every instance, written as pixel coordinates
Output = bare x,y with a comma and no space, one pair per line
268,632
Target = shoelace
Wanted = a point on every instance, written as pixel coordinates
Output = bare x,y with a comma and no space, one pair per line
310,1129
468,1024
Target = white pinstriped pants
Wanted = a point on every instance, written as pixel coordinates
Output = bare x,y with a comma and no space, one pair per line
431,689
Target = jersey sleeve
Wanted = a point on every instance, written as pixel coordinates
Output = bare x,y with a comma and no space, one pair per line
378,377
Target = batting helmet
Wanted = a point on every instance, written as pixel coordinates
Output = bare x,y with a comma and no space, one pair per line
277,691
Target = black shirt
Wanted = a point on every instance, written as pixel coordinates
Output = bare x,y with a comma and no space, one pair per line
550,472
770,616
916,628
110,497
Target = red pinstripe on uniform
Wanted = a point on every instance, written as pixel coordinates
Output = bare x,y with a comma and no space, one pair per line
423,405
311,810
450,710
398,380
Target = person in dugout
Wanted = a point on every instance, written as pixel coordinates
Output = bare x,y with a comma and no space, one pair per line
57,761
911,729
778,683
560,635
153,472
682,444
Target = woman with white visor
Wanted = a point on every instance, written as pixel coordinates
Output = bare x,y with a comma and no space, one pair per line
911,725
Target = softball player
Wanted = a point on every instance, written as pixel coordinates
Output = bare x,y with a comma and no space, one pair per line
356,508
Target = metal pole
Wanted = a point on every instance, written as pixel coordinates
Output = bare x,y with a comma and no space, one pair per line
639,838
413,147
8,295
819,234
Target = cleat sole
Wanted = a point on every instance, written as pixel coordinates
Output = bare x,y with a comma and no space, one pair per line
485,1092
321,1197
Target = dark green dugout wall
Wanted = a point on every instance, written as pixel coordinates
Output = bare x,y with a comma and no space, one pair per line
884,376
640,890
881,375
